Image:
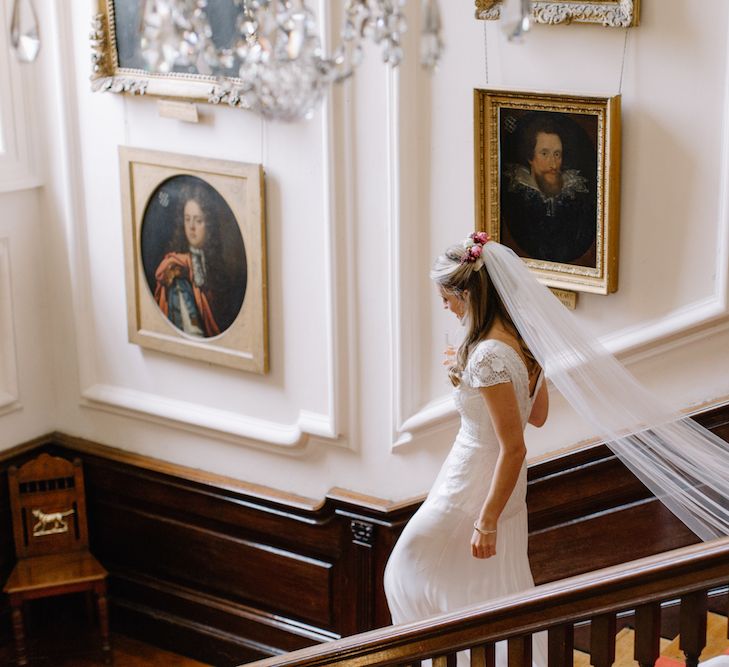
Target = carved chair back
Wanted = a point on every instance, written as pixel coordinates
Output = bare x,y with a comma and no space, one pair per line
48,506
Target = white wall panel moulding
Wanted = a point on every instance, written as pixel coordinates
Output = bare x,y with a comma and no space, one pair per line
437,414
8,364
18,166
212,422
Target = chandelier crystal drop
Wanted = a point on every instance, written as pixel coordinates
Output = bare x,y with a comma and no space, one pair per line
275,64
24,33
431,42
517,19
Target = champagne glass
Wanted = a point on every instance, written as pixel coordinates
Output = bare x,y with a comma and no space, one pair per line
449,352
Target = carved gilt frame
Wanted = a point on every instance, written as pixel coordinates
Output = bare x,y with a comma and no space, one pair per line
108,76
609,13
598,275
149,175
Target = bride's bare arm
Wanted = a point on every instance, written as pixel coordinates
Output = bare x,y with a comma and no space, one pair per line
540,408
503,409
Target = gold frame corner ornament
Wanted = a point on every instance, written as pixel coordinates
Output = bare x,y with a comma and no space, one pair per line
104,71
488,103
608,13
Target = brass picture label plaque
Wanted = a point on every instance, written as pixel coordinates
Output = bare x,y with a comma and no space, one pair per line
567,298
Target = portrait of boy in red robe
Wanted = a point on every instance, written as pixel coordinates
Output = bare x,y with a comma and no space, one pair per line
194,257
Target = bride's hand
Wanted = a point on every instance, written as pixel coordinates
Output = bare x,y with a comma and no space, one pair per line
483,546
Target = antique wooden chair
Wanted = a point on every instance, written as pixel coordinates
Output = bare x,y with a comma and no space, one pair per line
51,542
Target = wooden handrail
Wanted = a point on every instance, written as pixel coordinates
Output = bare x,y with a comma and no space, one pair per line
650,580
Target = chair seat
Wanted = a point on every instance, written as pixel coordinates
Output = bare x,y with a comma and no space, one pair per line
54,571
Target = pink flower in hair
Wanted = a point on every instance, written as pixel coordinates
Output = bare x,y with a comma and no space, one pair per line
480,237
476,251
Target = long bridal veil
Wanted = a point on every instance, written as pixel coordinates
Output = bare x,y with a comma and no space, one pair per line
683,464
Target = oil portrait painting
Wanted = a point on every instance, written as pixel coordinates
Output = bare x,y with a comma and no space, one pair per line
547,183
195,244
194,257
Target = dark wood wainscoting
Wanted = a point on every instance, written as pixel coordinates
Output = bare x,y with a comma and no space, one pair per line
588,511
226,572
221,571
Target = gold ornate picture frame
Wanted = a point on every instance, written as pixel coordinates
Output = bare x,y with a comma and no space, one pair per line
547,183
609,13
195,257
117,64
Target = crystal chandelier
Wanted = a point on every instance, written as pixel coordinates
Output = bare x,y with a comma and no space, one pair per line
275,64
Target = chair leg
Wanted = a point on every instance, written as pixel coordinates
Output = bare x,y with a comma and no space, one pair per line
19,633
103,609
90,606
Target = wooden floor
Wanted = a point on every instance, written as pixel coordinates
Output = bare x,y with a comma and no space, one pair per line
62,632
127,653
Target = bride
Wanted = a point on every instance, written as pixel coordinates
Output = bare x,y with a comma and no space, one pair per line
468,542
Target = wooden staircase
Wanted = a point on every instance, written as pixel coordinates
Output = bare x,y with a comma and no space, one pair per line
677,583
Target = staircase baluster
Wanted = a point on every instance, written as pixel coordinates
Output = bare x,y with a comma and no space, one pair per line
648,634
602,640
520,651
484,655
692,626
561,646
448,660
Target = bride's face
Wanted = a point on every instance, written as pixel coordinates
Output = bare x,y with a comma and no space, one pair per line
453,302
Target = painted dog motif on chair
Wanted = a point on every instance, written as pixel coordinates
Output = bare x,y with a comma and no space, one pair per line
51,523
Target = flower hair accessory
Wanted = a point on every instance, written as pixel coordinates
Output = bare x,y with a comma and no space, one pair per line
474,249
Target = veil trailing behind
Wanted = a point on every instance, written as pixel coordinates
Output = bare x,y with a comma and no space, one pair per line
683,464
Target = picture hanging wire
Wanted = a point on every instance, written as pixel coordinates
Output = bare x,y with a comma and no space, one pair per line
486,50
622,65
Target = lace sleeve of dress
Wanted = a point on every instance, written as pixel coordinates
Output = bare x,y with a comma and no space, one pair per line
486,366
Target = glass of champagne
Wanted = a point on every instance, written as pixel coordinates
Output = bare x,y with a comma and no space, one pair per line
449,352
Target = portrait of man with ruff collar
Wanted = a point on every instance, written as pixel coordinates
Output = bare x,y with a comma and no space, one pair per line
549,185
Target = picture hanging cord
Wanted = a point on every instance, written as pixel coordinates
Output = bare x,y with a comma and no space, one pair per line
622,65
264,127
486,51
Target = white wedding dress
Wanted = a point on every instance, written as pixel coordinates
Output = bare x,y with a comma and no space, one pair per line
431,569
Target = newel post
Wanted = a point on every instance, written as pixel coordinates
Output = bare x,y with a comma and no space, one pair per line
363,540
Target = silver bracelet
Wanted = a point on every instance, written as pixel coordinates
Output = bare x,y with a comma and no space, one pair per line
482,531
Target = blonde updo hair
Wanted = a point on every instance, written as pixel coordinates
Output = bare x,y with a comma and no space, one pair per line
469,281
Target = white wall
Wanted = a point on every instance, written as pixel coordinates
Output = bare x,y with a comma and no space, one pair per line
26,380
360,198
